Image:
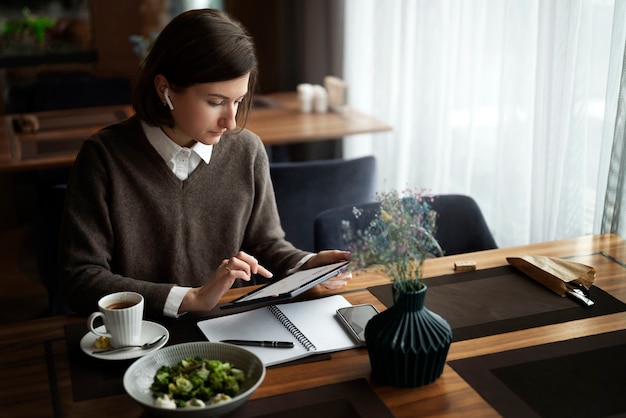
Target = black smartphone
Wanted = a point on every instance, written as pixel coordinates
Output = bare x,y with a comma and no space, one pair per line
354,318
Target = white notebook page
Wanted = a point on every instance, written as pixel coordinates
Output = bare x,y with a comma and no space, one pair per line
316,319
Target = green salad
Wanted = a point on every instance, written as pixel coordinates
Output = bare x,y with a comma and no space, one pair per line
196,382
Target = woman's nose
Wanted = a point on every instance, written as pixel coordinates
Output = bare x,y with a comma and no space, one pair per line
228,119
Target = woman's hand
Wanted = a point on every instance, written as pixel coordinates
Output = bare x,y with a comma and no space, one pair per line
328,257
241,266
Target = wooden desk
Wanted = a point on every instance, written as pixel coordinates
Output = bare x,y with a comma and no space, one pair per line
282,122
30,388
61,132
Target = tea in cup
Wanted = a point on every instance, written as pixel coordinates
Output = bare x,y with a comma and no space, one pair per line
122,314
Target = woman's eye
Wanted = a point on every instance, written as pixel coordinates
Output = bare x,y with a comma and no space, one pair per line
236,103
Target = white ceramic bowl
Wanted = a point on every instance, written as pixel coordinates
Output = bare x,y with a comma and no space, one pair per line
140,374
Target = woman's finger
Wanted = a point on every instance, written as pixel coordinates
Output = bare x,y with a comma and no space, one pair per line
249,264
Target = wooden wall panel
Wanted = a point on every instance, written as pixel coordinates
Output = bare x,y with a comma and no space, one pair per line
113,23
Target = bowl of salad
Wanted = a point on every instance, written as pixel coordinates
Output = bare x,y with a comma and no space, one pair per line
198,379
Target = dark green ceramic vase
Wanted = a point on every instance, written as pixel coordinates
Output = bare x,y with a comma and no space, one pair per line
407,343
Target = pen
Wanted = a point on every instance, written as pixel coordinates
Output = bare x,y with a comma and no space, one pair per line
273,344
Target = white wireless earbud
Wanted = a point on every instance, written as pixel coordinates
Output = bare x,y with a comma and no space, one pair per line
167,99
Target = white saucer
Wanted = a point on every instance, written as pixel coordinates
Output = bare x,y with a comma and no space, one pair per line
149,331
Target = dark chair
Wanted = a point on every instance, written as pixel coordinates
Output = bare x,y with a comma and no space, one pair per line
304,189
461,227
49,222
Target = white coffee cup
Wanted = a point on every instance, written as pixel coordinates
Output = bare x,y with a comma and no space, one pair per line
305,97
122,314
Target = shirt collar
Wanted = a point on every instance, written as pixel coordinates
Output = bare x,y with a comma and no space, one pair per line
168,149
203,150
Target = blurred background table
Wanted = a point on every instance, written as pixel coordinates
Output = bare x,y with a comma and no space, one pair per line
276,119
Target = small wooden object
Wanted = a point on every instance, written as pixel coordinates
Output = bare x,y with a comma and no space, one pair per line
464,265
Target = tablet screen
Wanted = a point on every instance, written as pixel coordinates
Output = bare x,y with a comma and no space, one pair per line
297,282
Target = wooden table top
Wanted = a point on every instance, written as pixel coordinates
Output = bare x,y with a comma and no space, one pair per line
30,388
61,132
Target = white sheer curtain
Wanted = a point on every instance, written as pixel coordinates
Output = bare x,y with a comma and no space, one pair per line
611,213
502,100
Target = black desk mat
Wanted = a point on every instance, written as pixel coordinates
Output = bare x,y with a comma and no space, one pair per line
501,299
582,377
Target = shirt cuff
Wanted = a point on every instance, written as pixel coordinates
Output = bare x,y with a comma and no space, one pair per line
174,300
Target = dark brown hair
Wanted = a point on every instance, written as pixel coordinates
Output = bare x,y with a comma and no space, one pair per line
197,46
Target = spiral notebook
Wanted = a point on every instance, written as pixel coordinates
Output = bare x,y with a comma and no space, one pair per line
311,325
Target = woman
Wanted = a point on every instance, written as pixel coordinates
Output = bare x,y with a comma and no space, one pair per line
176,202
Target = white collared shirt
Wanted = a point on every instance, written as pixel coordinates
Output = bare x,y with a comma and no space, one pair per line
182,161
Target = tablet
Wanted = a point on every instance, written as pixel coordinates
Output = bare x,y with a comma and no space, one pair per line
289,286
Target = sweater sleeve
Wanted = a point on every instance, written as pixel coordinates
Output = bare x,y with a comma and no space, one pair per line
86,259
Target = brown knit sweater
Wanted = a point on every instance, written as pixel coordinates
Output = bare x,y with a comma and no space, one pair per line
131,224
